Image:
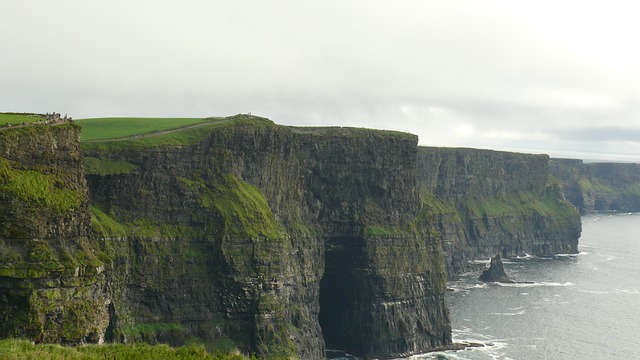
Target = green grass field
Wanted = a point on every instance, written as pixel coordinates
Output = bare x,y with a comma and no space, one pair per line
15,119
13,349
157,138
124,127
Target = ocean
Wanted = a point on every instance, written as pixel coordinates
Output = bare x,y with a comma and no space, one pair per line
584,306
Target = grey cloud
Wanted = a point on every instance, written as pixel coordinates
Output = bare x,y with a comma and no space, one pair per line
600,134
462,74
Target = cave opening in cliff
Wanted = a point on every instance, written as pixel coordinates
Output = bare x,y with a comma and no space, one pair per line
332,308
338,297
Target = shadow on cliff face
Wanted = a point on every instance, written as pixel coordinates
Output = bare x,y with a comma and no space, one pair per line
338,291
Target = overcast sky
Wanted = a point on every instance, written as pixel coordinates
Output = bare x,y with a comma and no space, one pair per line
557,77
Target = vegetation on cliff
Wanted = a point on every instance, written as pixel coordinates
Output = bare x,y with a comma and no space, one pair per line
155,135
496,202
51,271
123,127
14,349
599,186
228,229
19,118
523,203
243,208
41,187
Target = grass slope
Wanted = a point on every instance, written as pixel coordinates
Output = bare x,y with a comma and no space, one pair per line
178,137
121,127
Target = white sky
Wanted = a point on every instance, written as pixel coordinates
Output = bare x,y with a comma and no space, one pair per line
558,77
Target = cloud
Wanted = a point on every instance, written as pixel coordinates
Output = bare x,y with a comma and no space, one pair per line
601,134
490,74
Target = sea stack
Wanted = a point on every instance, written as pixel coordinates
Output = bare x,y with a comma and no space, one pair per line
495,272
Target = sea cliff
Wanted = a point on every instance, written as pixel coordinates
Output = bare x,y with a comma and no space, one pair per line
492,202
52,280
280,241
599,186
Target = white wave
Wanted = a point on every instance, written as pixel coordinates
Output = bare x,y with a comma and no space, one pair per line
464,330
627,291
478,261
535,284
525,256
567,255
595,292
456,289
492,349
465,287
521,312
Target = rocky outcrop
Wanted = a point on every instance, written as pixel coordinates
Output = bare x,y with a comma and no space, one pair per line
599,186
495,272
52,285
488,202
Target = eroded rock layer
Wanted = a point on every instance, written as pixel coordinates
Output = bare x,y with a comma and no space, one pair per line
599,186
277,238
240,233
492,202
52,285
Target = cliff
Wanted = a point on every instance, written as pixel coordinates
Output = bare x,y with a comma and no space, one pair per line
241,233
490,202
51,273
280,239
599,186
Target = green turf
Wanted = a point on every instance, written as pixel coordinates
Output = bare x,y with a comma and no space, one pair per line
187,136
15,118
11,349
124,127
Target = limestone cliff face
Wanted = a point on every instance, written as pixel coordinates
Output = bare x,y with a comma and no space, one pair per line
599,186
491,202
281,241
277,238
200,252
51,280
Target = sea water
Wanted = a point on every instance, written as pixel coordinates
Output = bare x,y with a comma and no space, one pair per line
584,306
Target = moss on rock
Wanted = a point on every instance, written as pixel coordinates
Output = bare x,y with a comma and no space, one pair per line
37,188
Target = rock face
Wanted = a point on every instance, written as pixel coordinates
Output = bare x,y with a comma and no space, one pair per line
495,272
599,186
280,241
51,272
490,202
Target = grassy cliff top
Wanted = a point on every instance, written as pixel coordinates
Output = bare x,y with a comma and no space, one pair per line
113,134
144,133
125,127
349,131
18,118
